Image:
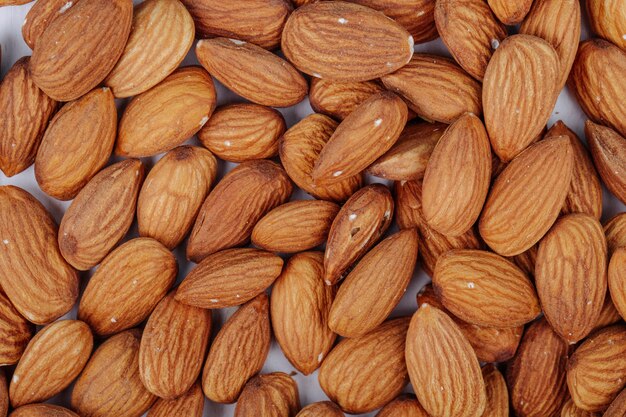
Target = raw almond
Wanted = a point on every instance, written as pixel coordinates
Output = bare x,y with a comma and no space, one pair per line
77,144
70,58
608,20
43,410
39,17
527,197
375,286
325,40
42,286
269,395
616,274
238,351
295,227
405,405
252,72
237,202
167,114
229,278
241,132
510,12
190,404
300,148
110,384
436,88
51,361
359,224
339,99
615,231
108,199
609,314
497,394
513,117
173,192
364,373
15,332
4,394
570,410
608,149
127,286
526,260
617,407
24,114
321,409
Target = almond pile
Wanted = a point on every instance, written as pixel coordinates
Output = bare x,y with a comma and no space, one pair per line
284,223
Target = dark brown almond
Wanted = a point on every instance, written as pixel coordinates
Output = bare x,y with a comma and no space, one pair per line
4,394
570,410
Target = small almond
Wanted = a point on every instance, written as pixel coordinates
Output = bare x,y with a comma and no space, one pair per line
15,333
406,405
510,12
43,410
321,409
615,231
570,410
608,149
497,393
339,99
269,395
190,404
616,279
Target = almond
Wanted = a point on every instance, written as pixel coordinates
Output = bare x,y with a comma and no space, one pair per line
173,192
43,410
70,58
596,81
321,409
608,149
470,31
617,407
241,132
15,332
166,115
269,395
229,278
405,405
616,270
140,67
536,375
77,144
13,2
190,404
436,88
513,117
295,227
4,394
359,224
41,286
375,286
325,40
229,213
39,17
339,99
526,260
110,384
497,395
609,314
527,197
608,20
364,373
24,114
615,231
127,286
570,410
51,361
300,148
109,199
238,351
510,12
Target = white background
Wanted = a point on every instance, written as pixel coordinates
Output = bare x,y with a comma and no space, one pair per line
13,48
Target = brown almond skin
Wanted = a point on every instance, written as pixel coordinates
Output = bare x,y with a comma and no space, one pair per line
101,214
510,12
596,81
406,405
364,373
173,192
15,333
608,149
167,114
299,149
69,58
457,177
439,356
42,410
608,20
596,372
4,394
269,395
321,409
442,98
295,226
375,286
615,231
237,202
526,260
524,200
127,286
609,314
39,17
229,278
570,410
325,40
77,144
497,394
536,375
258,21
617,407
151,55
252,72
42,287
110,383
616,271
185,330
24,114
238,351
339,99
243,131
571,276
359,224
190,404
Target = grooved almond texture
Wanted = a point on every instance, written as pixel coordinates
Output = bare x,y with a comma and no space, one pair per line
229,278
616,279
405,405
514,118
51,361
609,314
364,373
127,286
166,115
339,99
615,231
443,367
77,144
608,149
570,410
39,17
41,286
80,47
238,351
527,197
607,19
237,202
173,192
325,40
15,332
510,12
617,407
101,214
497,394
4,394
190,404
269,395
43,410
321,409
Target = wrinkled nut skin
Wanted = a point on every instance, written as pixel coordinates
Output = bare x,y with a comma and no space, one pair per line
39,17
497,392
616,274
4,394
510,12
339,99
618,406
269,395
608,149
607,19
190,404
42,410
404,405
321,409
15,332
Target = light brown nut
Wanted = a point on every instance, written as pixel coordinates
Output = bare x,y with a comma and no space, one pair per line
190,404
39,17
15,332
526,260
13,2
616,279
4,394
570,410
405,405
608,20
42,410
339,99
608,315
497,394
269,395
321,409
615,231
510,12
617,407
608,149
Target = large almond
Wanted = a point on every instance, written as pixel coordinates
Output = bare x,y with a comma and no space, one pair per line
15,332
39,17
607,19
269,395
608,149
339,99
190,404
510,12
